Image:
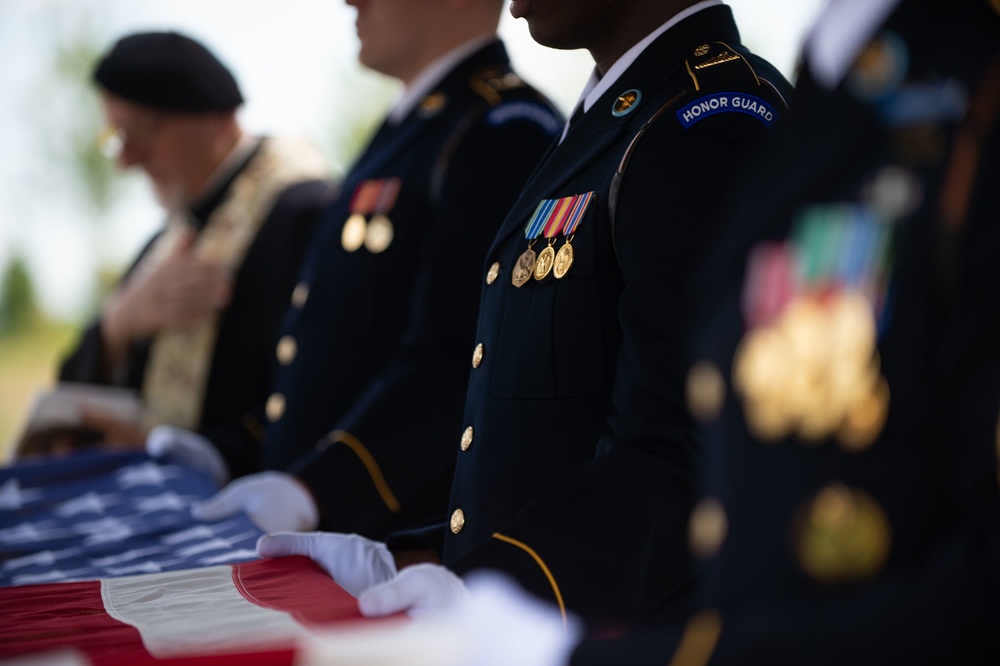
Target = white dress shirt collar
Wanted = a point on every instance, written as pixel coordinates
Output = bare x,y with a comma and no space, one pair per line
598,85
843,28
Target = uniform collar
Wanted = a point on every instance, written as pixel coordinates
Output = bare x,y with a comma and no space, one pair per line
432,74
210,194
843,28
598,85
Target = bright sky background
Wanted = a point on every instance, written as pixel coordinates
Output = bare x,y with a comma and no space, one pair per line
295,61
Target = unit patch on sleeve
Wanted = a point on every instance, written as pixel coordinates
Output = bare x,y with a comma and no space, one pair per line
727,102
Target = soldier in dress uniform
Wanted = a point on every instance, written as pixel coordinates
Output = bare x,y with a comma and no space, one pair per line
191,324
577,459
373,352
847,366
852,343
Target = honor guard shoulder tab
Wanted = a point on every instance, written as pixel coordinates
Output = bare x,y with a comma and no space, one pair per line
725,82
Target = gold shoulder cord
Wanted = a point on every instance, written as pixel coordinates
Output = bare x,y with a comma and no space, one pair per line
366,458
545,570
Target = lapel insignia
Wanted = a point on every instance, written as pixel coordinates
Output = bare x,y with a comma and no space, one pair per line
432,105
880,68
626,103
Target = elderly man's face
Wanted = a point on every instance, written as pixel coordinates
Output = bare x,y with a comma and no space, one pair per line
173,149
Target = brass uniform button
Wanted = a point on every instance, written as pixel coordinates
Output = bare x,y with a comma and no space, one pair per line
477,355
708,527
300,295
702,50
287,350
467,438
457,521
706,390
493,273
275,407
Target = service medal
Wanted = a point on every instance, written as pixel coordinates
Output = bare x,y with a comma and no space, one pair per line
352,237
380,234
524,268
543,266
564,261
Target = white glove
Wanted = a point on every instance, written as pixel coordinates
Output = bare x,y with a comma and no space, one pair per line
354,562
420,589
501,624
189,449
271,500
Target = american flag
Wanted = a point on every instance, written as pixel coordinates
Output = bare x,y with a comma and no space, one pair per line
101,515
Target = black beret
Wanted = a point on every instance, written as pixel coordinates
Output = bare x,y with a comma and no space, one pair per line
166,70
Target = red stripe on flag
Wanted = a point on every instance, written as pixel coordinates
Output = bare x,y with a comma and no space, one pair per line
295,585
43,618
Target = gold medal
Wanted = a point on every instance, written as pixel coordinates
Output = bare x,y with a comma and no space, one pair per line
379,235
353,235
523,268
564,261
842,535
543,266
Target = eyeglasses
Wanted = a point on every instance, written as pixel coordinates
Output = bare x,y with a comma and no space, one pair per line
111,139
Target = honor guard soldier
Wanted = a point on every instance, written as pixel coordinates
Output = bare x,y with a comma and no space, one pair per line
191,324
853,337
373,352
848,369
577,459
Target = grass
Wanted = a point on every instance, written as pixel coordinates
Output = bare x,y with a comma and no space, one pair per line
29,361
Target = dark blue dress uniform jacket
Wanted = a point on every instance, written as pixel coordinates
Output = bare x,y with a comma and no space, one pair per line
375,386
901,567
240,369
578,462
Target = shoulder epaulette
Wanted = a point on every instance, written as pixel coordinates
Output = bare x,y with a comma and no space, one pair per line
488,83
718,63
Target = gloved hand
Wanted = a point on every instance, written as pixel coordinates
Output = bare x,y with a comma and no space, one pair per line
189,449
354,562
419,590
501,624
272,500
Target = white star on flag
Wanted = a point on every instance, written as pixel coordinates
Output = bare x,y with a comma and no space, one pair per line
87,503
104,531
134,554
146,474
12,497
29,532
45,558
164,502
232,556
197,532
213,544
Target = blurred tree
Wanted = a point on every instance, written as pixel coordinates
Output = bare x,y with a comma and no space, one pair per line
76,145
18,307
354,124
